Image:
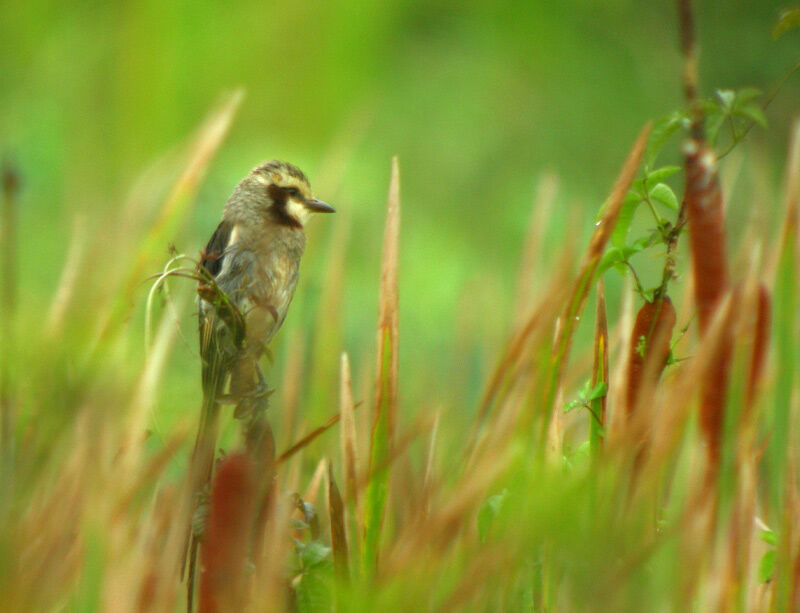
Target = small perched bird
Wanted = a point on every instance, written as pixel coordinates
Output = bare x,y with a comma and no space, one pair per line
249,271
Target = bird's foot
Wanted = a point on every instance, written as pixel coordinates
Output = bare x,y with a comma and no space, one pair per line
253,402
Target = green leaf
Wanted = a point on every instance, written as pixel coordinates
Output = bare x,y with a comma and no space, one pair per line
610,259
643,242
747,94
573,405
313,594
626,213
769,537
788,20
766,567
714,122
615,256
753,113
489,510
663,194
598,391
314,554
661,132
661,174
378,487
711,106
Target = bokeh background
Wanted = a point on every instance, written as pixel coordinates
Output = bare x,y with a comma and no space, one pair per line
480,101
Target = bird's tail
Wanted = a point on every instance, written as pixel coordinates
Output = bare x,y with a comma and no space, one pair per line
200,474
221,336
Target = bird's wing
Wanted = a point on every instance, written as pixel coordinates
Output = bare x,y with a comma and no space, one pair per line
214,253
212,260
214,373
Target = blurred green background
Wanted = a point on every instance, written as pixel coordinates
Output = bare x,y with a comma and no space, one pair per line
477,99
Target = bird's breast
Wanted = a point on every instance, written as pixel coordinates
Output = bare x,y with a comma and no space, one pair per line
275,272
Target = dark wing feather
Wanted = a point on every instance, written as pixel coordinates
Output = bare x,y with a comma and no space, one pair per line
211,259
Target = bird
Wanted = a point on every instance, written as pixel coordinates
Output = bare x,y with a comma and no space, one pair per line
248,273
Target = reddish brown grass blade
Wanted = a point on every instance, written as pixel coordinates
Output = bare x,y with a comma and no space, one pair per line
225,551
650,341
9,186
707,235
307,439
707,242
338,534
758,360
648,352
599,369
673,409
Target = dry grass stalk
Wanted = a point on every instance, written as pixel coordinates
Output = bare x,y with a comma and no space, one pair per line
10,185
337,524
618,383
73,264
584,281
515,363
307,439
430,463
532,251
790,237
291,385
385,407
600,372
348,439
388,310
312,490
328,337
451,513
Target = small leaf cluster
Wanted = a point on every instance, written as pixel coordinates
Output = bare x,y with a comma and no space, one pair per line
587,394
766,566
738,110
313,567
651,191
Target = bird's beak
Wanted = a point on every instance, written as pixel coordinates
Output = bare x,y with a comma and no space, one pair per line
318,206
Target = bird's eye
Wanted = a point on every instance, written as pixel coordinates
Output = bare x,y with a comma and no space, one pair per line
293,192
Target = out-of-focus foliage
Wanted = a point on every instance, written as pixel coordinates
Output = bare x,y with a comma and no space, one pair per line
477,99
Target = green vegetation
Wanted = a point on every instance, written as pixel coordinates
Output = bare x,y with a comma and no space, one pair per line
590,429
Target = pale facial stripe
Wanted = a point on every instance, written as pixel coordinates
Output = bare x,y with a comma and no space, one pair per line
297,210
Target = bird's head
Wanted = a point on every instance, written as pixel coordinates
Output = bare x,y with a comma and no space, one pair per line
282,192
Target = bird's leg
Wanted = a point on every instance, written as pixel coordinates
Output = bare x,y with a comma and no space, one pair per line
249,387
261,390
